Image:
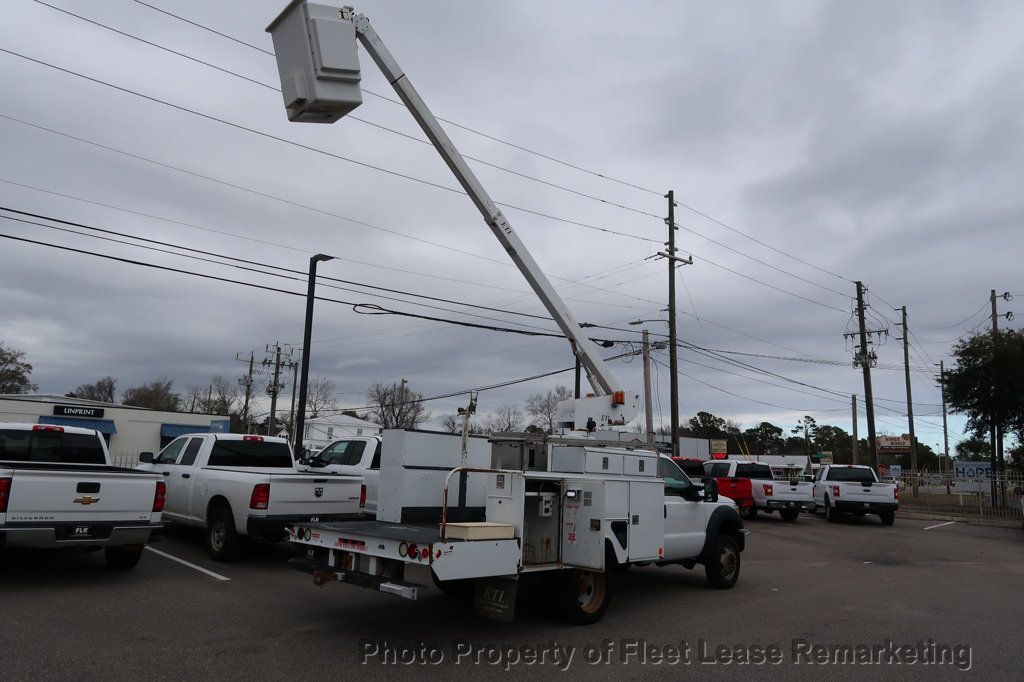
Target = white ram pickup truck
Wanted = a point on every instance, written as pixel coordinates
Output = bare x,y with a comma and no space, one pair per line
58,489
233,485
767,493
854,489
354,456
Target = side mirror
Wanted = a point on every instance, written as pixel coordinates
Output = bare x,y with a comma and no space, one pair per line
146,457
710,489
690,493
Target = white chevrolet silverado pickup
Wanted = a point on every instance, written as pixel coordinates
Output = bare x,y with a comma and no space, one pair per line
58,489
233,485
854,489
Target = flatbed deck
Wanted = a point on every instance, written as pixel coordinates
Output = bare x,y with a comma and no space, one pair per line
420,533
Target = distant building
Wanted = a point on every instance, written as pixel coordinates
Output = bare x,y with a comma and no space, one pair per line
320,431
128,430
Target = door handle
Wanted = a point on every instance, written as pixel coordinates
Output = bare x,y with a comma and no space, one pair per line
186,475
166,473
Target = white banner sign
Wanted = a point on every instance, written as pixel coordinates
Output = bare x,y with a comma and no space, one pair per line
972,470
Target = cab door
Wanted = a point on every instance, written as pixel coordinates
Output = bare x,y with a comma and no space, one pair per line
180,482
685,513
164,463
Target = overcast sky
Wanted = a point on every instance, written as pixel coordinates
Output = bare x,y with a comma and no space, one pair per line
873,141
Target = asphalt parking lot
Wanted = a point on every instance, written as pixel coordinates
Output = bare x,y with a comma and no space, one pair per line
802,585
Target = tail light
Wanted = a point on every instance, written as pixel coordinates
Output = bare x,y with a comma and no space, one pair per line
260,496
768,489
413,552
425,552
835,491
896,492
47,427
362,496
5,494
255,438
160,496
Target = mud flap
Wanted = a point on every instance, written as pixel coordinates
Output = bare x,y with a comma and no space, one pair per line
495,598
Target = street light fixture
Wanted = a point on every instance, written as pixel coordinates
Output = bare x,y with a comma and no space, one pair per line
307,333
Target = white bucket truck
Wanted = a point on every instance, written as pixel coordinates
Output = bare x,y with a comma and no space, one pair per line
452,507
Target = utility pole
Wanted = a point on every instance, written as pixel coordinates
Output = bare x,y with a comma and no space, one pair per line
275,386
853,408
998,461
942,389
576,393
673,340
910,404
401,405
247,382
296,436
866,359
648,407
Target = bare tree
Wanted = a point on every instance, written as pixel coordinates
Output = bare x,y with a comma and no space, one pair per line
156,395
14,371
543,407
103,390
394,406
320,396
452,423
505,418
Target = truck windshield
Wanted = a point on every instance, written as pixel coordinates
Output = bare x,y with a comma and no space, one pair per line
760,471
18,445
853,474
344,452
250,453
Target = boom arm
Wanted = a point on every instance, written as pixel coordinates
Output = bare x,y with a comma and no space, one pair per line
598,374
316,41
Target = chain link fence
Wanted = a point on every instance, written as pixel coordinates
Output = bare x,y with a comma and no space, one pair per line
998,496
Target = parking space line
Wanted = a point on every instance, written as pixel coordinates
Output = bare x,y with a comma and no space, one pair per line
218,576
939,525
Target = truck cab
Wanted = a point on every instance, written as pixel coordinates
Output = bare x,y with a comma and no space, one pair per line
351,456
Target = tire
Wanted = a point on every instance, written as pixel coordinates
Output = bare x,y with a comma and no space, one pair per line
748,513
813,509
888,518
831,515
583,596
222,541
789,515
722,564
123,558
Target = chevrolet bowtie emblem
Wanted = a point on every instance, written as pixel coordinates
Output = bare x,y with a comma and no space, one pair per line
87,500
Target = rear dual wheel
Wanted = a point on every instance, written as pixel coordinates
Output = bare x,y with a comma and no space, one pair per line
583,596
748,513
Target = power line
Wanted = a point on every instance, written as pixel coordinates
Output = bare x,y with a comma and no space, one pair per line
461,126
296,204
324,152
414,138
961,322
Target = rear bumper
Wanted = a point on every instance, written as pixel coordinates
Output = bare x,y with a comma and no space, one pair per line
63,535
867,507
323,574
788,504
276,525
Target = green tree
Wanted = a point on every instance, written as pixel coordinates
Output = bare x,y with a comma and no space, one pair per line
707,425
975,449
766,438
828,438
987,382
14,371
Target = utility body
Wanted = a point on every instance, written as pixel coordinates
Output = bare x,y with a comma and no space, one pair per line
525,508
233,485
351,456
58,489
854,489
753,487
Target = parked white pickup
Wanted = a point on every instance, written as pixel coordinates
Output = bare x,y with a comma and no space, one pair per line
57,489
854,489
233,485
352,456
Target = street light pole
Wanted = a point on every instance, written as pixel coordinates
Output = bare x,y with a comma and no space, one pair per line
307,333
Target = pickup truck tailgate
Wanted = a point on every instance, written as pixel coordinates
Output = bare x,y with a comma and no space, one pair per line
855,492
97,495
302,495
785,491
